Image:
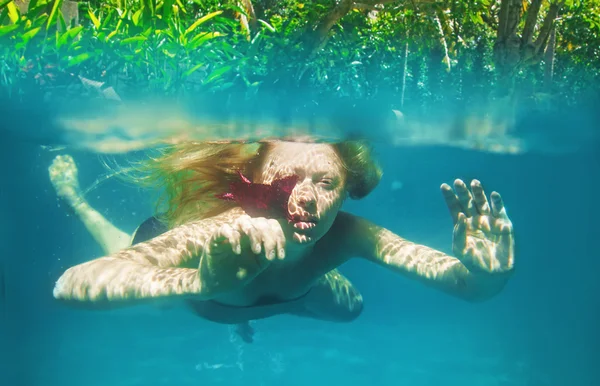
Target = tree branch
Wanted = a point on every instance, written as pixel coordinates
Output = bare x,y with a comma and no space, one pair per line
248,20
368,7
322,28
249,8
503,20
514,16
443,40
321,31
373,3
542,38
549,60
532,15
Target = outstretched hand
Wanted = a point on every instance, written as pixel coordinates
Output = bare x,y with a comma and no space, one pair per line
237,252
483,234
64,179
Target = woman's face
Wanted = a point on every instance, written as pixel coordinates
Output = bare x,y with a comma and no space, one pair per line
320,191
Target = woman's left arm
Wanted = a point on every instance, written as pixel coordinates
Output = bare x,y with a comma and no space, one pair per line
483,246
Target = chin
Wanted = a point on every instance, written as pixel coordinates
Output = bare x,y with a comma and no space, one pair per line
303,239
303,232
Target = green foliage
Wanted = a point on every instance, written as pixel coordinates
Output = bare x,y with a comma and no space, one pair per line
179,48
148,46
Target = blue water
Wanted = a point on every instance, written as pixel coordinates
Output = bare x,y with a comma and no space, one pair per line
541,330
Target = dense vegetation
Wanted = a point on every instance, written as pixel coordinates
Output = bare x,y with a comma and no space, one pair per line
417,55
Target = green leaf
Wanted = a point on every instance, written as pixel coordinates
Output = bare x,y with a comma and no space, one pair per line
37,6
269,26
171,50
476,18
216,74
163,32
61,19
94,19
40,20
108,19
181,6
193,69
133,40
167,9
113,33
8,29
136,16
3,3
149,6
202,20
53,13
68,36
13,12
27,36
78,59
201,38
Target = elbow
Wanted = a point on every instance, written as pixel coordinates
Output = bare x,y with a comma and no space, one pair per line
62,289
74,291
478,289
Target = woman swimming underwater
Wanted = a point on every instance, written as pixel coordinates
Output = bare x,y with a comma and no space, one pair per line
255,230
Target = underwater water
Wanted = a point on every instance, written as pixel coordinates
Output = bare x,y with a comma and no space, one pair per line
542,329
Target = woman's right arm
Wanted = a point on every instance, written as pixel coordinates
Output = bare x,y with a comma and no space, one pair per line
165,266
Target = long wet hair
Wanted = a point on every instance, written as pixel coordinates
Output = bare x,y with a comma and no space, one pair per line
189,175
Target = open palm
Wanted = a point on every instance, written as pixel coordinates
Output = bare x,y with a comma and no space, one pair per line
483,234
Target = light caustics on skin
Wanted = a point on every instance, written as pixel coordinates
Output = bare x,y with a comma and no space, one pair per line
153,274
319,192
313,205
315,199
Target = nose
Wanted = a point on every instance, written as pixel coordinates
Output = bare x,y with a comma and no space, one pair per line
308,202
305,197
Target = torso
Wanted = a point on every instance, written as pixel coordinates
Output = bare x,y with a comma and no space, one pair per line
289,280
284,280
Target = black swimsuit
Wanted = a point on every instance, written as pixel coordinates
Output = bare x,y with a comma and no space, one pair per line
149,229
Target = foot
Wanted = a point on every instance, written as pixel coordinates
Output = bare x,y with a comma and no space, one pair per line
63,175
245,331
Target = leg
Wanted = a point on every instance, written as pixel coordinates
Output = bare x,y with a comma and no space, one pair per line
63,175
333,298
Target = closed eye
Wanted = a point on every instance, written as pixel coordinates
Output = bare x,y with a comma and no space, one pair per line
327,183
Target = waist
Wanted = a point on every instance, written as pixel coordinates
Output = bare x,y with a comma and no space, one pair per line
264,307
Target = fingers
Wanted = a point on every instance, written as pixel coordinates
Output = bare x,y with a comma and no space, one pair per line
459,202
469,202
265,235
279,237
460,233
507,246
232,236
481,202
451,201
464,197
498,209
246,227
